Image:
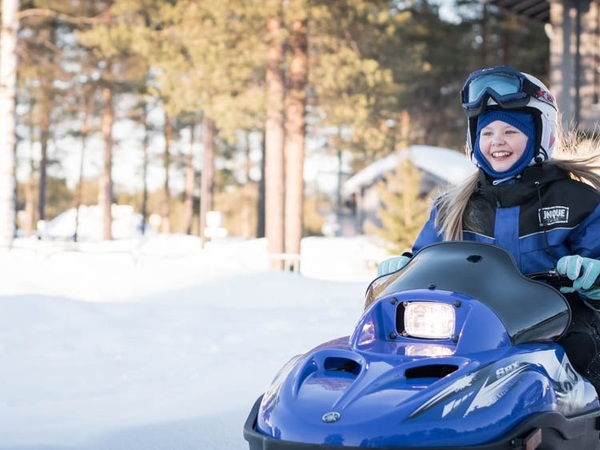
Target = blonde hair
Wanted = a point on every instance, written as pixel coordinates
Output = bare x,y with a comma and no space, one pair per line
452,217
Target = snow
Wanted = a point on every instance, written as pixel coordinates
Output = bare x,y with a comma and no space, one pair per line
158,343
126,223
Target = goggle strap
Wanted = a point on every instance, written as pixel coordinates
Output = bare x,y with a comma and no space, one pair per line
531,89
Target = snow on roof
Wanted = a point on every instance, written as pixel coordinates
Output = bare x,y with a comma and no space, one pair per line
126,223
446,164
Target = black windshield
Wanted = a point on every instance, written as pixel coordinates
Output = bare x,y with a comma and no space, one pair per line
530,310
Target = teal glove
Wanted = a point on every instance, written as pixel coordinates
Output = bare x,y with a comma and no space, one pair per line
584,273
392,264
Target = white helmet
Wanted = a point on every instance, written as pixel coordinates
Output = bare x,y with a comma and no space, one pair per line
506,88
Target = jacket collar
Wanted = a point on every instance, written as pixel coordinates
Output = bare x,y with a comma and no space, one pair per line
520,189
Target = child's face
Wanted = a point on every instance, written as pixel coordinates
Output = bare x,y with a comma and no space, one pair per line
502,145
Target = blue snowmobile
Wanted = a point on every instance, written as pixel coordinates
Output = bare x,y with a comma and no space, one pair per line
457,350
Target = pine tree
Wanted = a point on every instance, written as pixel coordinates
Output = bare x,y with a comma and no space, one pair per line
295,125
8,77
404,208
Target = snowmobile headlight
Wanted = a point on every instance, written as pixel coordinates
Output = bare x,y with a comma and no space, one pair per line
429,320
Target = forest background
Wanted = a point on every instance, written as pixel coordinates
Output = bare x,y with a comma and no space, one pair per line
186,93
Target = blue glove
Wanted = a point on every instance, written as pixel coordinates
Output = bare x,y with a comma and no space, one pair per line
583,271
392,264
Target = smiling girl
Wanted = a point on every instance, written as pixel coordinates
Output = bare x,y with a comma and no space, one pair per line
544,211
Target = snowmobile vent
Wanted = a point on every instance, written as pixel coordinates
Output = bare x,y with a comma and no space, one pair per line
430,371
342,365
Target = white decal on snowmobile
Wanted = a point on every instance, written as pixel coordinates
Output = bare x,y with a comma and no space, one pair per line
492,392
571,391
448,408
506,370
453,389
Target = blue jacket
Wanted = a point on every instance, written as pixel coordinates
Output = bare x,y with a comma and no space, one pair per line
538,218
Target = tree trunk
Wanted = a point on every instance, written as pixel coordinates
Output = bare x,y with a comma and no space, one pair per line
207,179
85,129
45,107
29,224
44,138
274,145
145,145
294,144
166,206
247,193
105,191
260,204
190,184
8,81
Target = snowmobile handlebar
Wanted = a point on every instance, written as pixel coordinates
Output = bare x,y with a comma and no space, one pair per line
556,280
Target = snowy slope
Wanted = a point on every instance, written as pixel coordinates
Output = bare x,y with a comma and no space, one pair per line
159,344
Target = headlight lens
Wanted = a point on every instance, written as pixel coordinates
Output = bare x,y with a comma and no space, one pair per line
429,320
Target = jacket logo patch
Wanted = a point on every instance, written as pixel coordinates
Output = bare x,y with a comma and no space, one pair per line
553,215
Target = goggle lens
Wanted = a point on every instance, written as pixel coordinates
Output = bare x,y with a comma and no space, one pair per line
501,84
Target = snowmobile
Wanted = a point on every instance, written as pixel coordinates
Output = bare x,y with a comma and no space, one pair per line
457,350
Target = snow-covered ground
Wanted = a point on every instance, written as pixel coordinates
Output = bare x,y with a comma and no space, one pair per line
159,344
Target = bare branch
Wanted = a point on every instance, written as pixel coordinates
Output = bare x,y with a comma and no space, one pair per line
39,12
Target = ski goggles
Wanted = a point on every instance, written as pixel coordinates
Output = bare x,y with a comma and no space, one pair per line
509,88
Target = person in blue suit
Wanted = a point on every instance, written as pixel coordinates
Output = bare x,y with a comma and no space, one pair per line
545,211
